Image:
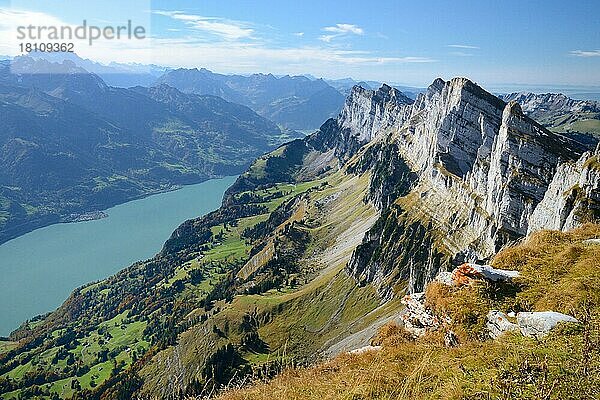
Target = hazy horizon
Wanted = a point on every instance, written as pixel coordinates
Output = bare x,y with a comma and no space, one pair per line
501,88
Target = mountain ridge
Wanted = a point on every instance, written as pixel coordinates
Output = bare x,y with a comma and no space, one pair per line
295,102
562,114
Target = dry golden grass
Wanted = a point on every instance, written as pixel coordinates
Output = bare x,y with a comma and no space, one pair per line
425,369
559,272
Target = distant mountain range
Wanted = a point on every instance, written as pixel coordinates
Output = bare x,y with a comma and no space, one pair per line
345,86
294,102
562,114
70,143
114,74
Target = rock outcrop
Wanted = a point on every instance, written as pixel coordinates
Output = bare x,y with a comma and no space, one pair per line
530,324
468,272
365,349
419,318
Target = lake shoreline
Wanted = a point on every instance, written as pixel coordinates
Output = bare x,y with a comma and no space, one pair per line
86,216
41,268
55,219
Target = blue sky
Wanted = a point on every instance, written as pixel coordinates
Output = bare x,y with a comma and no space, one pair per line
495,43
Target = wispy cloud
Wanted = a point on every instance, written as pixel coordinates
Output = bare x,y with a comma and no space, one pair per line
586,53
225,55
463,46
340,30
223,28
299,34
460,54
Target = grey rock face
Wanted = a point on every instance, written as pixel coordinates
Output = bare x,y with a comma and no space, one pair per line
482,168
538,324
367,112
498,323
573,196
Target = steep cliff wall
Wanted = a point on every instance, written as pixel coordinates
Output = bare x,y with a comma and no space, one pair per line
573,196
481,167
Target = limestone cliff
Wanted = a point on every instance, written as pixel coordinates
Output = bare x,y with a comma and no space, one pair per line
482,167
573,196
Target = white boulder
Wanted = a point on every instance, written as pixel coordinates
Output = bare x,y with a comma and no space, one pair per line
493,274
468,272
538,324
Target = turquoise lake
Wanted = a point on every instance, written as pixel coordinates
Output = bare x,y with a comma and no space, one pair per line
40,269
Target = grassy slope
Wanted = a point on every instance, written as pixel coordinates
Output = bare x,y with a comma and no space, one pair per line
126,334
7,345
559,272
330,305
303,318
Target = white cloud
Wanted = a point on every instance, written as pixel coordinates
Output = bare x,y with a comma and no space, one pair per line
586,53
226,29
340,30
299,34
327,38
463,46
225,55
11,19
344,28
